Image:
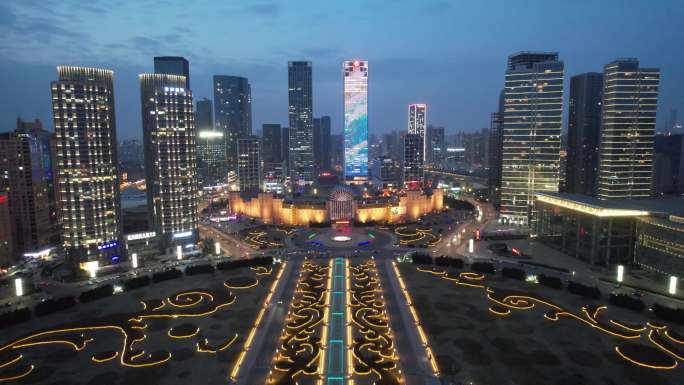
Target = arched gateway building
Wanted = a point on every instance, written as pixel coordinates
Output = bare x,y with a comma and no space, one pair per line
341,204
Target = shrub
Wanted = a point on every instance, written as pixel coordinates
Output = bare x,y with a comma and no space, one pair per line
136,282
550,281
54,305
483,267
626,301
14,317
199,269
669,313
238,263
443,261
166,275
515,273
96,293
584,290
421,259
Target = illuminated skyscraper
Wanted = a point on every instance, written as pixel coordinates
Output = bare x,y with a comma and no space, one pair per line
436,146
533,108
300,113
355,121
232,112
249,164
413,161
211,158
170,158
628,119
26,173
87,179
173,65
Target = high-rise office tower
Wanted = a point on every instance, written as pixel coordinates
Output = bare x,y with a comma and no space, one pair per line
26,173
300,113
584,128
6,236
285,143
337,151
355,121
417,124
628,119
169,136
232,112
86,157
249,164
204,115
322,143
413,161
495,151
668,164
272,155
211,158
272,142
436,146
531,137
173,65
212,166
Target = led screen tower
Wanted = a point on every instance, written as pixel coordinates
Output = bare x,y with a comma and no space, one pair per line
355,121
417,123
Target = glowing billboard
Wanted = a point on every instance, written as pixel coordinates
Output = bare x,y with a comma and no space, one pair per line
355,121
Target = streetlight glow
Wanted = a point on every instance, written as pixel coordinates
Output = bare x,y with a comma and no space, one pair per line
471,245
672,289
620,273
217,248
179,252
135,260
19,287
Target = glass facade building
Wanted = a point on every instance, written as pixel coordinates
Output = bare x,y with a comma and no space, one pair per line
249,164
86,157
355,121
630,101
169,137
232,113
300,114
532,121
413,161
173,65
584,129
211,158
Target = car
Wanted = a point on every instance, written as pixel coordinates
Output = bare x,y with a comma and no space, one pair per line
637,293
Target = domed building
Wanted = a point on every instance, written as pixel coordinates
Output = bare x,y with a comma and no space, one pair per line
343,204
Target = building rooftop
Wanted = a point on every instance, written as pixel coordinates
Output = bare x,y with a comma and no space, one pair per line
619,207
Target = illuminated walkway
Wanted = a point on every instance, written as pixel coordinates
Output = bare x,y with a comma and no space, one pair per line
336,371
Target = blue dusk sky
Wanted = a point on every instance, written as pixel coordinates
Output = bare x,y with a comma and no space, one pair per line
449,54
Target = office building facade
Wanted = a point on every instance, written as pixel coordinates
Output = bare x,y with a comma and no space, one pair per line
26,173
584,130
355,121
322,143
249,164
668,165
533,107
300,113
436,146
173,65
628,120
232,113
212,166
413,161
86,159
169,137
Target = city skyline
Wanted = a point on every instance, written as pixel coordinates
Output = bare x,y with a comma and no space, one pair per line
441,83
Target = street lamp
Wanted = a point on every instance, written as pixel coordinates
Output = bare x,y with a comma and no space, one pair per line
217,248
19,287
135,260
620,273
672,289
471,245
179,252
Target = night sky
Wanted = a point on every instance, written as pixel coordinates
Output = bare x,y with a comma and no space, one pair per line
449,54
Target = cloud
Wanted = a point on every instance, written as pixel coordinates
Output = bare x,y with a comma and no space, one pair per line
263,9
144,43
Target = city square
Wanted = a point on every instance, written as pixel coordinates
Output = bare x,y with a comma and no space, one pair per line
363,192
